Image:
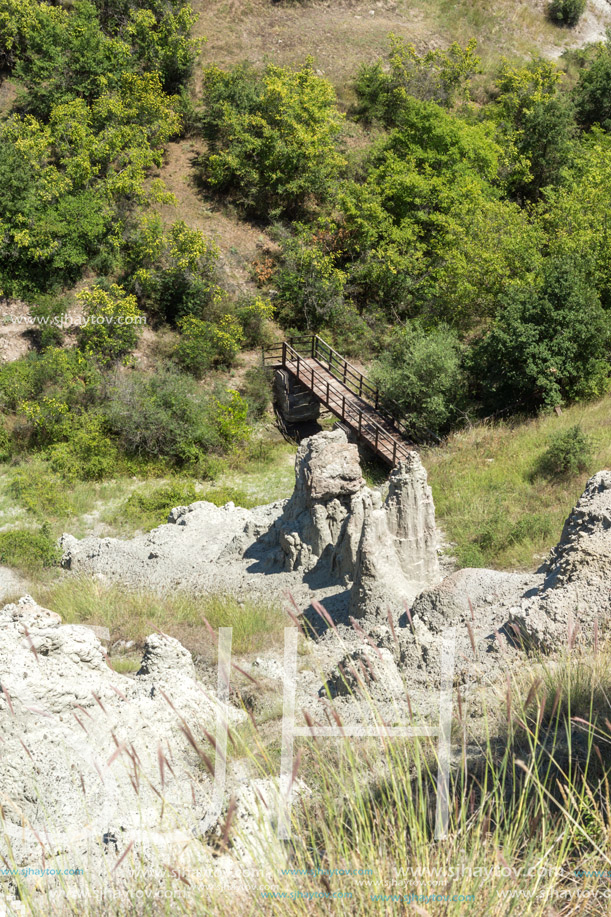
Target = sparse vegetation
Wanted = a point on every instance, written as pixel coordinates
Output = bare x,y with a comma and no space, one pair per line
491,500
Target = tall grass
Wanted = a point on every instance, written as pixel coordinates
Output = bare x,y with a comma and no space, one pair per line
134,614
489,499
529,827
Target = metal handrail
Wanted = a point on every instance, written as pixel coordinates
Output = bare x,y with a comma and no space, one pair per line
365,386
360,420
348,370
318,349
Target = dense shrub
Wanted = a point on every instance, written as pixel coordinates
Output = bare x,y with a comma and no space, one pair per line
225,338
549,344
166,415
231,419
592,93
87,452
568,453
28,550
192,352
566,12
112,323
65,372
204,344
49,312
272,138
255,316
421,373
6,443
173,273
436,76
41,492
309,285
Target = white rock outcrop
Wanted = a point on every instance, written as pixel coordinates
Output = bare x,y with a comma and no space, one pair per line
334,531
575,595
92,758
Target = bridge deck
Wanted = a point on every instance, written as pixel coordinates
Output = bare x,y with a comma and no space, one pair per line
345,392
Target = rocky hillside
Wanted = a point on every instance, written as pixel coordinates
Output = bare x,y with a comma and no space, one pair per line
105,771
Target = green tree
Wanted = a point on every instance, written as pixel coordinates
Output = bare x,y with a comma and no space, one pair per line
424,233
173,273
272,139
68,56
592,93
535,127
163,42
549,344
204,344
576,217
436,76
420,372
310,287
566,12
112,323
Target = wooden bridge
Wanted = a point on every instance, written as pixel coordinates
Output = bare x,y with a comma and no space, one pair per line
345,391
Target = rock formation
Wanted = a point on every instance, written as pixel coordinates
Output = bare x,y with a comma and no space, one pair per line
90,756
334,530
94,760
397,553
575,594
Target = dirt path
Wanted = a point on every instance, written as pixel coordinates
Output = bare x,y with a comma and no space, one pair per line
239,241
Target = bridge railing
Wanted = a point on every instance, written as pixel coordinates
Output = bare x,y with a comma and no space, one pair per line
314,347
344,371
383,443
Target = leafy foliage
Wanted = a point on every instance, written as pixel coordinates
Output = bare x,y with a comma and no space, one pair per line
62,182
87,453
593,91
423,233
535,124
548,345
436,76
165,416
568,453
575,216
272,139
90,125
173,273
112,323
203,344
28,550
566,12
420,372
